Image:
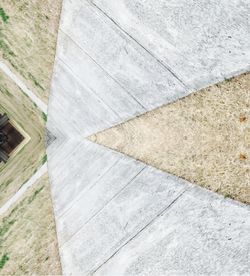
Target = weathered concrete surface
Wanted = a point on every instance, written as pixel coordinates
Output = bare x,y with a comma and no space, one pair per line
105,202
117,216
201,234
201,41
120,56
135,194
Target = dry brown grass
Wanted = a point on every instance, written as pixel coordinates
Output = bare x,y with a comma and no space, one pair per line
204,138
28,40
28,235
22,166
28,32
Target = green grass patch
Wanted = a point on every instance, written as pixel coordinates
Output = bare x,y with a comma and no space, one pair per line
5,91
45,117
227,195
6,49
3,260
3,15
35,81
45,158
6,226
31,198
5,184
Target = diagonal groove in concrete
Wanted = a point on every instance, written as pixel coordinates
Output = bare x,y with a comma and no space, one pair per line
110,200
91,186
167,67
133,55
161,212
104,70
83,84
193,40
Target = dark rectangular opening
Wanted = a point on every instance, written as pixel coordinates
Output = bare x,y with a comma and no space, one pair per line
14,138
10,138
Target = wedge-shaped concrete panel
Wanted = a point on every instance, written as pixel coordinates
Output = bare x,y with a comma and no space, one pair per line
96,196
78,166
201,234
97,79
77,110
112,212
129,64
201,41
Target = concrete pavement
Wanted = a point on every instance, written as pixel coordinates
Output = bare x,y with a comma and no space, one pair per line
116,60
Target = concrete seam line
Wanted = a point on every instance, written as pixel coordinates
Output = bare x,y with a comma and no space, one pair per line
167,67
148,224
107,203
89,88
78,198
102,68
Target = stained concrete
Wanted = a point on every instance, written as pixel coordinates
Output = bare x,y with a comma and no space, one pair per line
107,204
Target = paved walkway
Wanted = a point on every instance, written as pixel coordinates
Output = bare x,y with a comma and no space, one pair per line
41,105
115,60
41,171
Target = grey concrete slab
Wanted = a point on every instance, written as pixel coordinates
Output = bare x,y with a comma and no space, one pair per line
201,234
120,56
94,198
126,220
97,79
115,60
127,213
77,166
80,111
202,42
